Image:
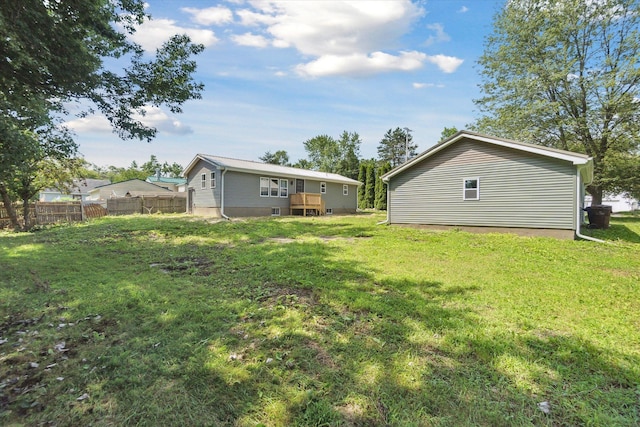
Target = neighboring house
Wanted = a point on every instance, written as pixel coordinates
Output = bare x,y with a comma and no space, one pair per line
482,183
618,202
178,185
224,187
79,190
132,187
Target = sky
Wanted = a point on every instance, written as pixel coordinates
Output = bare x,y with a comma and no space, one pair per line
279,72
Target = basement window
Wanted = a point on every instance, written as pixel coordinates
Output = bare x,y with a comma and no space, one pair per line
329,211
275,211
471,190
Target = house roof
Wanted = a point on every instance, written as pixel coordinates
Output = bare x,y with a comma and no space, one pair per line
151,186
584,162
259,168
176,181
80,186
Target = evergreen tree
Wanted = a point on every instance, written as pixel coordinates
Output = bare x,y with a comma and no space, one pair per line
362,177
370,185
395,145
381,187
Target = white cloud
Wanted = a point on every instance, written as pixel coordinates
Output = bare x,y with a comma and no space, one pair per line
154,117
210,16
341,37
426,85
90,124
361,64
463,9
439,36
151,34
248,39
447,64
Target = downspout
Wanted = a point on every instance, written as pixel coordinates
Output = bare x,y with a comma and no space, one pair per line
579,214
222,195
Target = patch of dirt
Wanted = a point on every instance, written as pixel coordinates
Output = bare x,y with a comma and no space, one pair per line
283,240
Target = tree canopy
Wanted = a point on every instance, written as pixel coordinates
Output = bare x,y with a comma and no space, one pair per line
53,53
566,75
280,157
395,146
340,156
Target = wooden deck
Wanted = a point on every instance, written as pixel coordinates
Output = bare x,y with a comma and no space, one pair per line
308,202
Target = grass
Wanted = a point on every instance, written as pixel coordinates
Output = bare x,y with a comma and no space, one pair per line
173,320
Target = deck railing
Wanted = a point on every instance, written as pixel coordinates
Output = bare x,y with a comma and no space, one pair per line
312,202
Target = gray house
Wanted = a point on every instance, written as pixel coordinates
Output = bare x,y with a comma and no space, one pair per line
224,187
482,183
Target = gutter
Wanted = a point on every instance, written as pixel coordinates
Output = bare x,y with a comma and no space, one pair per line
579,211
222,196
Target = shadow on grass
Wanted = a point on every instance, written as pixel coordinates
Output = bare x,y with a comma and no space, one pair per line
269,322
622,228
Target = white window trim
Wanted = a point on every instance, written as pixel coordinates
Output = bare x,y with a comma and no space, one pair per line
262,186
464,188
329,211
213,179
275,211
286,188
345,190
203,181
323,187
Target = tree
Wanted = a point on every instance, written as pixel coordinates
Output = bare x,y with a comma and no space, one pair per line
565,75
54,52
362,177
381,187
448,133
349,154
280,157
323,152
395,145
335,156
370,185
173,170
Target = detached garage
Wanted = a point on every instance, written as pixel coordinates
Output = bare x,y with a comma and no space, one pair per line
482,183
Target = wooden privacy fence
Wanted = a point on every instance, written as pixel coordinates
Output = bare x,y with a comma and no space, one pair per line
146,205
42,213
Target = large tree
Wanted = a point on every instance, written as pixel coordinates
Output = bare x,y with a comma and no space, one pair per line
566,75
396,147
55,52
280,157
341,156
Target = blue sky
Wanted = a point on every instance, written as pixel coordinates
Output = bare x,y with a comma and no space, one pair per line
277,73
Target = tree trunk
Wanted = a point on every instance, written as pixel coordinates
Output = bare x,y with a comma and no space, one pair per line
25,213
596,194
8,205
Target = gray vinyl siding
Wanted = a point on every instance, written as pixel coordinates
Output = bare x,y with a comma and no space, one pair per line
517,189
334,199
207,197
242,190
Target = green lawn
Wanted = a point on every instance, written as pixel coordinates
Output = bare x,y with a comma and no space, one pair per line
172,320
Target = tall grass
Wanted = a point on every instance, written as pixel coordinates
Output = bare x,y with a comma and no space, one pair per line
173,320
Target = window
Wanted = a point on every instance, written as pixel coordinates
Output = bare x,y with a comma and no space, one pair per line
329,211
275,184
213,180
323,188
274,187
275,211
264,187
345,190
203,180
471,189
